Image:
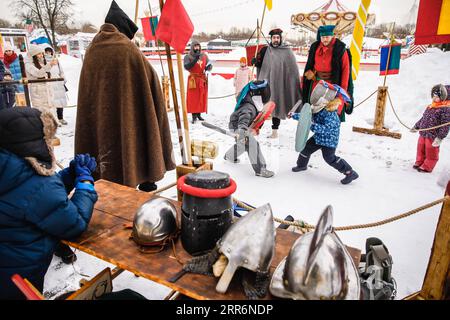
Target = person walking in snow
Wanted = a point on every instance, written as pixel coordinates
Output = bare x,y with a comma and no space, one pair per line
7,92
249,104
437,113
328,60
59,98
197,63
35,211
326,126
242,76
277,64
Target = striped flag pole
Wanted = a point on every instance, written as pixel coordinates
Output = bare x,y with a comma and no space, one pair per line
358,35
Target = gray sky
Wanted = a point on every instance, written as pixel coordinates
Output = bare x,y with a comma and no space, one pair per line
216,15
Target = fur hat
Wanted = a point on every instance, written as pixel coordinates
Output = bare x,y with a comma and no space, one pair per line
35,49
28,133
439,90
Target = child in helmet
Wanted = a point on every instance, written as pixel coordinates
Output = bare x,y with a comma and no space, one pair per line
437,113
249,104
242,76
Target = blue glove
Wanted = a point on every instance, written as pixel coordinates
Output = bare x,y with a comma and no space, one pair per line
296,116
84,165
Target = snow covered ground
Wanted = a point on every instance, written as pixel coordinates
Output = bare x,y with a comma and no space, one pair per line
387,185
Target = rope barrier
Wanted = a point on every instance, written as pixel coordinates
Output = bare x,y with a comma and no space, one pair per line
401,122
365,99
304,225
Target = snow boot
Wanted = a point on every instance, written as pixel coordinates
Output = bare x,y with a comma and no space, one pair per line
265,173
420,169
231,160
416,166
199,117
298,169
274,134
66,254
349,177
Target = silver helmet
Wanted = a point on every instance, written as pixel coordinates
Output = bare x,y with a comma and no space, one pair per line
320,97
248,243
318,267
154,222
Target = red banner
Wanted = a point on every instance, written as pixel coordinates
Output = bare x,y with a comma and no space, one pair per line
175,26
146,22
432,22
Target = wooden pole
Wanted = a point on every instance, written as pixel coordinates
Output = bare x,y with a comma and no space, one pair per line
380,108
436,284
258,33
25,80
391,37
136,11
174,95
184,109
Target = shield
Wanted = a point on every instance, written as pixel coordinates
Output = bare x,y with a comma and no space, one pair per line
303,127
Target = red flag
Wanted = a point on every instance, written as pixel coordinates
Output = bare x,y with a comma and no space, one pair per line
149,33
433,22
175,26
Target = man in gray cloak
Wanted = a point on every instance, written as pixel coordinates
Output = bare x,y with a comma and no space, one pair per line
277,64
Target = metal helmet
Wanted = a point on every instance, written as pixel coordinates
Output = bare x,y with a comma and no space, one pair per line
154,222
320,96
248,243
318,267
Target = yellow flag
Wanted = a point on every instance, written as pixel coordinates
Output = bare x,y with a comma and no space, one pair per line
358,36
268,4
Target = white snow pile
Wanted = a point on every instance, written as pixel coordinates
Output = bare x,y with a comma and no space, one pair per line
387,185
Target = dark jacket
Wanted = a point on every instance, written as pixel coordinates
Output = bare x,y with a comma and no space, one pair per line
434,117
7,96
338,51
243,117
2,74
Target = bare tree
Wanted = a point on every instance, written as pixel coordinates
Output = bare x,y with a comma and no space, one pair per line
48,14
5,23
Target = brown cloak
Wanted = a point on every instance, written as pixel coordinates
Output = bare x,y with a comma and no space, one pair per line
121,117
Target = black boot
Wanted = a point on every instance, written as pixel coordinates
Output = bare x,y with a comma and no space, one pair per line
147,186
349,177
199,117
194,118
65,253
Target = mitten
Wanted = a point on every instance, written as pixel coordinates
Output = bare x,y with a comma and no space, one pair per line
436,142
310,75
84,166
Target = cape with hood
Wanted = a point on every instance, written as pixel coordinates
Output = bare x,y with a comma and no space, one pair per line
280,69
197,85
121,117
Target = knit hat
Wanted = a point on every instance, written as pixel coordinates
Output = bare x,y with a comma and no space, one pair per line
439,90
243,60
7,73
35,49
8,47
327,30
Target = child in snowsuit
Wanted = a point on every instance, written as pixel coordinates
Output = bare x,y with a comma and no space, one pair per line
242,76
326,127
437,113
247,108
7,92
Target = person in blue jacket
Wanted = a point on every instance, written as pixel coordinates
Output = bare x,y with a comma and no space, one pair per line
35,211
12,62
326,126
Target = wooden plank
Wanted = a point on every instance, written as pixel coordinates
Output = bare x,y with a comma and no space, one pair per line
377,132
437,277
116,247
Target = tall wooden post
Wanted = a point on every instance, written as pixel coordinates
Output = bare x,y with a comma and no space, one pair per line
184,109
378,125
165,87
25,81
174,95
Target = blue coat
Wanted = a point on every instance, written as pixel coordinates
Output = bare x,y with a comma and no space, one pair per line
326,126
35,214
14,67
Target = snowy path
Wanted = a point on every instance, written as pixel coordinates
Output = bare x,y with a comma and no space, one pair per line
387,185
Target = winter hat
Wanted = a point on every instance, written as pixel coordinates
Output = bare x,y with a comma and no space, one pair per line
8,47
27,133
439,90
275,31
243,60
121,21
7,73
35,49
327,30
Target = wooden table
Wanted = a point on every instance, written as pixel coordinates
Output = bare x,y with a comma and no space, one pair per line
108,239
